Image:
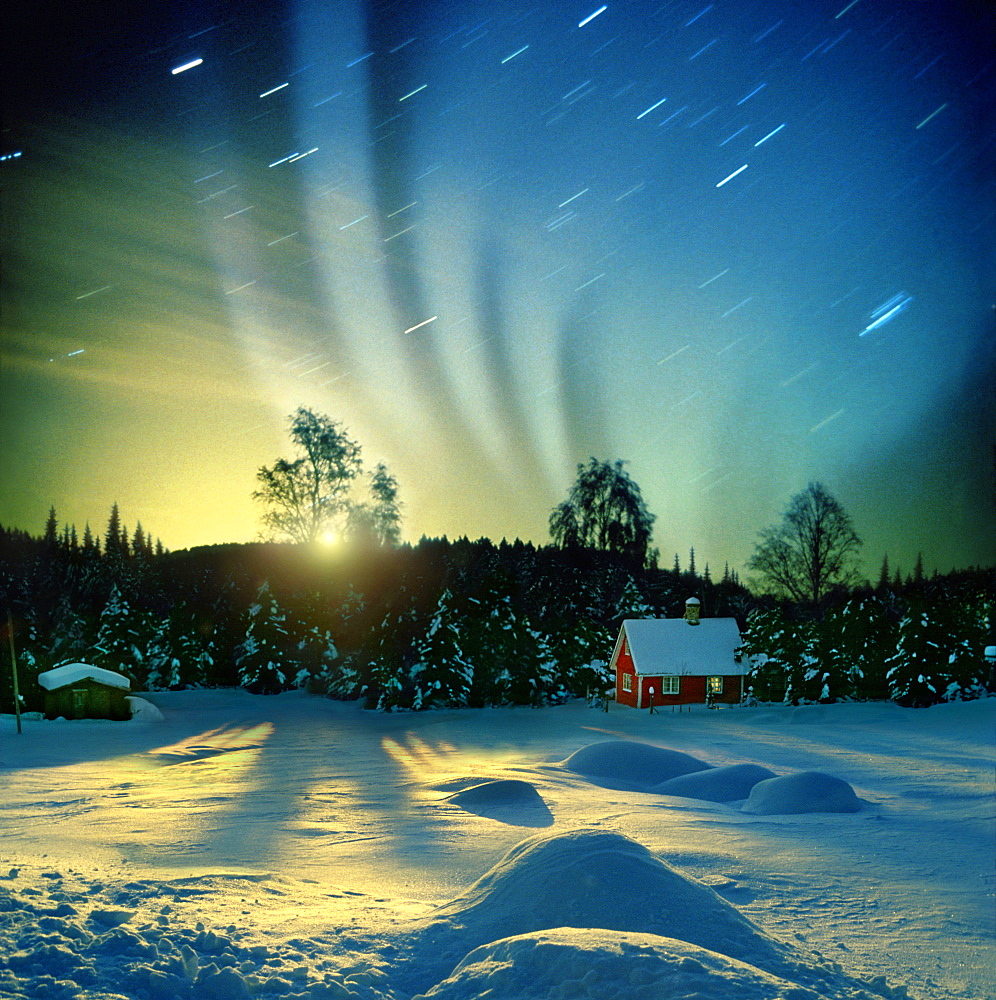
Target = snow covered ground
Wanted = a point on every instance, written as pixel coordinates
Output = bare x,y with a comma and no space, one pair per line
293,846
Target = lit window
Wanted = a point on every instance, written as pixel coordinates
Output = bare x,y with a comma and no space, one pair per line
627,682
714,685
671,685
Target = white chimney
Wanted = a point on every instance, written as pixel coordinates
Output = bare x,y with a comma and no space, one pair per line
692,608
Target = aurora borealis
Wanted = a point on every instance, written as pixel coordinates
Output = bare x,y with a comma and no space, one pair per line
739,245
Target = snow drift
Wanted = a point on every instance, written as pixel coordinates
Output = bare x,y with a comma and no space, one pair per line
805,792
507,800
591,879
629,765
586,964
718,784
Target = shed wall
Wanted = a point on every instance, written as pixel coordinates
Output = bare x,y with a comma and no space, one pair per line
87,699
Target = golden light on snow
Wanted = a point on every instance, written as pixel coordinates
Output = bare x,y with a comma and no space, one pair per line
214,743
418,756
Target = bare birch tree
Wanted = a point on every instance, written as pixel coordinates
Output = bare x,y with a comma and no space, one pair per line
811,551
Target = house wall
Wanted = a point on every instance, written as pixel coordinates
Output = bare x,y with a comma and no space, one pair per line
692,691
623,665
96,701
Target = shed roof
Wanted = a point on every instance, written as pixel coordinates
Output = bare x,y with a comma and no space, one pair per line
72,673
662,646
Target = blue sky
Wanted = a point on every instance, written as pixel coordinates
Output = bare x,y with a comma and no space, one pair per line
740,246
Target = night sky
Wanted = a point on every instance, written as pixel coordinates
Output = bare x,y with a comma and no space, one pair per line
740,245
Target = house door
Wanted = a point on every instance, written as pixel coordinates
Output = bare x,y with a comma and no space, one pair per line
79,703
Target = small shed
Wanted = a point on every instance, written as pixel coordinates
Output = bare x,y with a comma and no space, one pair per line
678,661
83,691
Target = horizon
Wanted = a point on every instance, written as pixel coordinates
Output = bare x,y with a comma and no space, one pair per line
339,547
740,249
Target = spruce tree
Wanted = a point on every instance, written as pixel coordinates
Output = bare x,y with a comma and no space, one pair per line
51,537
163,658
632,603
513,663
966,619
442,674
138,541
796,651
883,576
263,659
72,636
581,649
782,658
834,665
390,653
195,650
112,538
918,672
867,639
314,649
122,639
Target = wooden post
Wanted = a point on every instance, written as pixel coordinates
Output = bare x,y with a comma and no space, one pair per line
13,669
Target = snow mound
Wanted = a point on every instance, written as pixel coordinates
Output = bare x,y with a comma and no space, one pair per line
718,784
509,800
626,764
586,964
805,792
498,793
142,710
591,878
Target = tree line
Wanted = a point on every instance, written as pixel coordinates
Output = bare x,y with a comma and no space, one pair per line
454,623
440,622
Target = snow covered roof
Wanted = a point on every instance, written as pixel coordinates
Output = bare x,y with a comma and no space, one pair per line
661,646
71,673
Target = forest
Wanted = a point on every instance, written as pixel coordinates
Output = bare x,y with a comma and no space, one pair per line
453,623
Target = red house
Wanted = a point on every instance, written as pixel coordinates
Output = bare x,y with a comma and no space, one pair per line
678,661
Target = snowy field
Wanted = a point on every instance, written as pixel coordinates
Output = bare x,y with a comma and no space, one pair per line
292,846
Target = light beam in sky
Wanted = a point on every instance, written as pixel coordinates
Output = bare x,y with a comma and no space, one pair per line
725,180
591,17
578,278
186,66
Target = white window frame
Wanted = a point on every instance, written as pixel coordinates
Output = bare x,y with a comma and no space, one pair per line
671,684
627,683
714,685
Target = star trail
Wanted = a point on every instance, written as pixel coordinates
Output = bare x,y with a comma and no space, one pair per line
739,246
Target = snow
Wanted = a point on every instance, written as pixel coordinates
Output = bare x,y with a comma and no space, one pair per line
143,710
291,846
676,646
806,792
717,784
72,673
592,964
623,764
508,800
